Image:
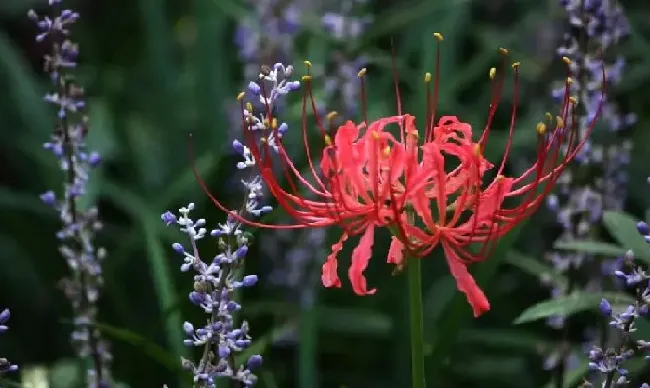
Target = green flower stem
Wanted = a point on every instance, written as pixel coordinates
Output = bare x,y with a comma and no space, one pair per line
413,266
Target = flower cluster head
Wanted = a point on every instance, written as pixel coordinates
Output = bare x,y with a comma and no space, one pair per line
370,177
5,365
214,283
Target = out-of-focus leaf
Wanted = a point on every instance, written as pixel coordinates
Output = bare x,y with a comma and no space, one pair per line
147,347
354,321
623,227
534,267
507,339
570,304
592,247
263,342
66,374
161,268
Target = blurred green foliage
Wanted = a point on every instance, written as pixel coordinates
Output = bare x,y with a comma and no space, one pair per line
157,70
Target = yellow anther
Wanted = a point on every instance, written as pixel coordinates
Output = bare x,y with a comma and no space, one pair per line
306,78
477,150
549,117
307,63
427,77
274,123
375,135
249,107
331,115
503,51
493,72
362,72
566,60
573,100
560,122
240,96
541,128
266,122
328,140
516,65
386,151
438,36
263,140
415,133
500,178
569,80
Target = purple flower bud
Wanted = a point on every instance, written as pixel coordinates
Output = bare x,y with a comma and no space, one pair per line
233,306
196,298
254,88
4,316
238,147
250,280
94,159
254,362
240,253
178,248
605,307
224,351
48,198
168,218
282,129
188,327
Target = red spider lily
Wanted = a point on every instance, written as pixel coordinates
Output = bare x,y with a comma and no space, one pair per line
370,178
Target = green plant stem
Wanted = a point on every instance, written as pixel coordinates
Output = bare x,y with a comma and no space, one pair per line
413,265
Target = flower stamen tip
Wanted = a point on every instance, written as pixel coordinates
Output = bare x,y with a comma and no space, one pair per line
306,78
493,72
566,60
240,96
573,100
307,63
438,36
541,128
331,115
328,140
503,51
560,122
427,77
362,72
516,65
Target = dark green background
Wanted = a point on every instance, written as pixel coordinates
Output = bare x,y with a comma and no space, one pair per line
156,70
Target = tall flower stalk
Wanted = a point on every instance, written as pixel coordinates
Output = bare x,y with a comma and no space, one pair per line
597,179
80,224
217,280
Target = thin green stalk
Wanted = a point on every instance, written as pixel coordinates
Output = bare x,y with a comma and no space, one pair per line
413,266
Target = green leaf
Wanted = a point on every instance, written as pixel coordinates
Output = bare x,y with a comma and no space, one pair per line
161,268
570,304
535,267
622,227
592,247
354,321
156,352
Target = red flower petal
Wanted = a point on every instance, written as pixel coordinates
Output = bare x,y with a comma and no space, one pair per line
465,282
360,257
